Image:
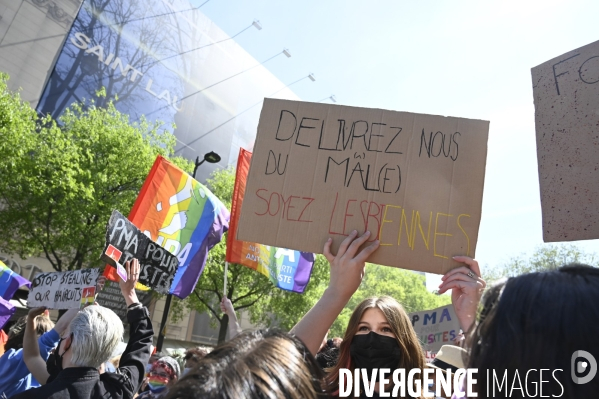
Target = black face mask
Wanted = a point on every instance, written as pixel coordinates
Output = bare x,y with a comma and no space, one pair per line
372,351
54,362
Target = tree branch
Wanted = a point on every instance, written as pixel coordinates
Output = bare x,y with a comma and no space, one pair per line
239,298
207,305
48,220
247,305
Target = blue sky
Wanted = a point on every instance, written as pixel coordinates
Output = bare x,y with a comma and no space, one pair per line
469,59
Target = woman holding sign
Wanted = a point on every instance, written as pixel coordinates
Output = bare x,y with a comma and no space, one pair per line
380,334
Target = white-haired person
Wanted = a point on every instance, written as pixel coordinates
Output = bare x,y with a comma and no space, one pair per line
89,341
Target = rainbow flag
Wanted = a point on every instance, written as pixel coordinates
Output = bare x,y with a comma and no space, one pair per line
181,215
10,282
287,269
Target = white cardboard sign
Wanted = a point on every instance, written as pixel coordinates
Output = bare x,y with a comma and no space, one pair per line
63,290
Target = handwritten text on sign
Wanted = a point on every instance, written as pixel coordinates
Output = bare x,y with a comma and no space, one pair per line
566,96
435,328
61,290
319,170
124,242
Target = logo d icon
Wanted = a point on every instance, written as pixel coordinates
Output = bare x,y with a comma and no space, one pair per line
580,367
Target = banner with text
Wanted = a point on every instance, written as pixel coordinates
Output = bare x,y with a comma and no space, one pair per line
435,328
415,181
287,269
124,242
63,290
567,124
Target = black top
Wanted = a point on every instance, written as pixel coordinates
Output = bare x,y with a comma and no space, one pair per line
86,382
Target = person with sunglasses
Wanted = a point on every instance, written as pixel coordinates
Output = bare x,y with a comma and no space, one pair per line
164,372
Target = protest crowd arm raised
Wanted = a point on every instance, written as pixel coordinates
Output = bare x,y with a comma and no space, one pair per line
31,351
227,308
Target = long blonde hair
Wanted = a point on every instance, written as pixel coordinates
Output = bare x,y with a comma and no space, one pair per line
399,322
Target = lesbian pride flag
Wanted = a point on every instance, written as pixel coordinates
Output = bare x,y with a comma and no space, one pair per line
287,269
10,282
181,215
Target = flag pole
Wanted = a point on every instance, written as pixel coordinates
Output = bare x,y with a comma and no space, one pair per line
226,269
211,157
162,332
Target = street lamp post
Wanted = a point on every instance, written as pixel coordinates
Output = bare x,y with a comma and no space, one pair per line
211,157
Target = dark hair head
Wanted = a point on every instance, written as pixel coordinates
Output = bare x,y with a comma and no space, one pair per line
43,324
327,358
195,354
257,364
537,321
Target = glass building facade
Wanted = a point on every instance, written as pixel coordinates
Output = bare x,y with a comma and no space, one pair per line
159,59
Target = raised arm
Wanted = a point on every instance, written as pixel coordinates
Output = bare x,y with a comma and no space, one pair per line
32,356
347,271
227,307
31,349
466,287
137,353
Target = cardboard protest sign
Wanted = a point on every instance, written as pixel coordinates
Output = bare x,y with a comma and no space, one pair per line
566,99
435,328
63,290
124,242
319,170
110,297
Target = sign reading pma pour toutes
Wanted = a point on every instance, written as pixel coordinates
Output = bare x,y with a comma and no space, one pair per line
124,242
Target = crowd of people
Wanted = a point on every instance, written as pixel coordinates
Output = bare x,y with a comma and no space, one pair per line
534,321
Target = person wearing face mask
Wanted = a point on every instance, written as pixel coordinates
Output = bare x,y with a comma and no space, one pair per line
90,340
379,333
163,373
14,375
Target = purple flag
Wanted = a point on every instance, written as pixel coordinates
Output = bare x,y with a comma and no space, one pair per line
7,309
10,282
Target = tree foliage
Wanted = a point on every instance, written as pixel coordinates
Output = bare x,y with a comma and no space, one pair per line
61,180
545,257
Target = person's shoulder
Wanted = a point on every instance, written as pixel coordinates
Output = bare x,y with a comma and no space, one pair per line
116,381
33,393
11,355
144,395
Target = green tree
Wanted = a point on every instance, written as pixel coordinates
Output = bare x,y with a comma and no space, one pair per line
61,180
545,257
